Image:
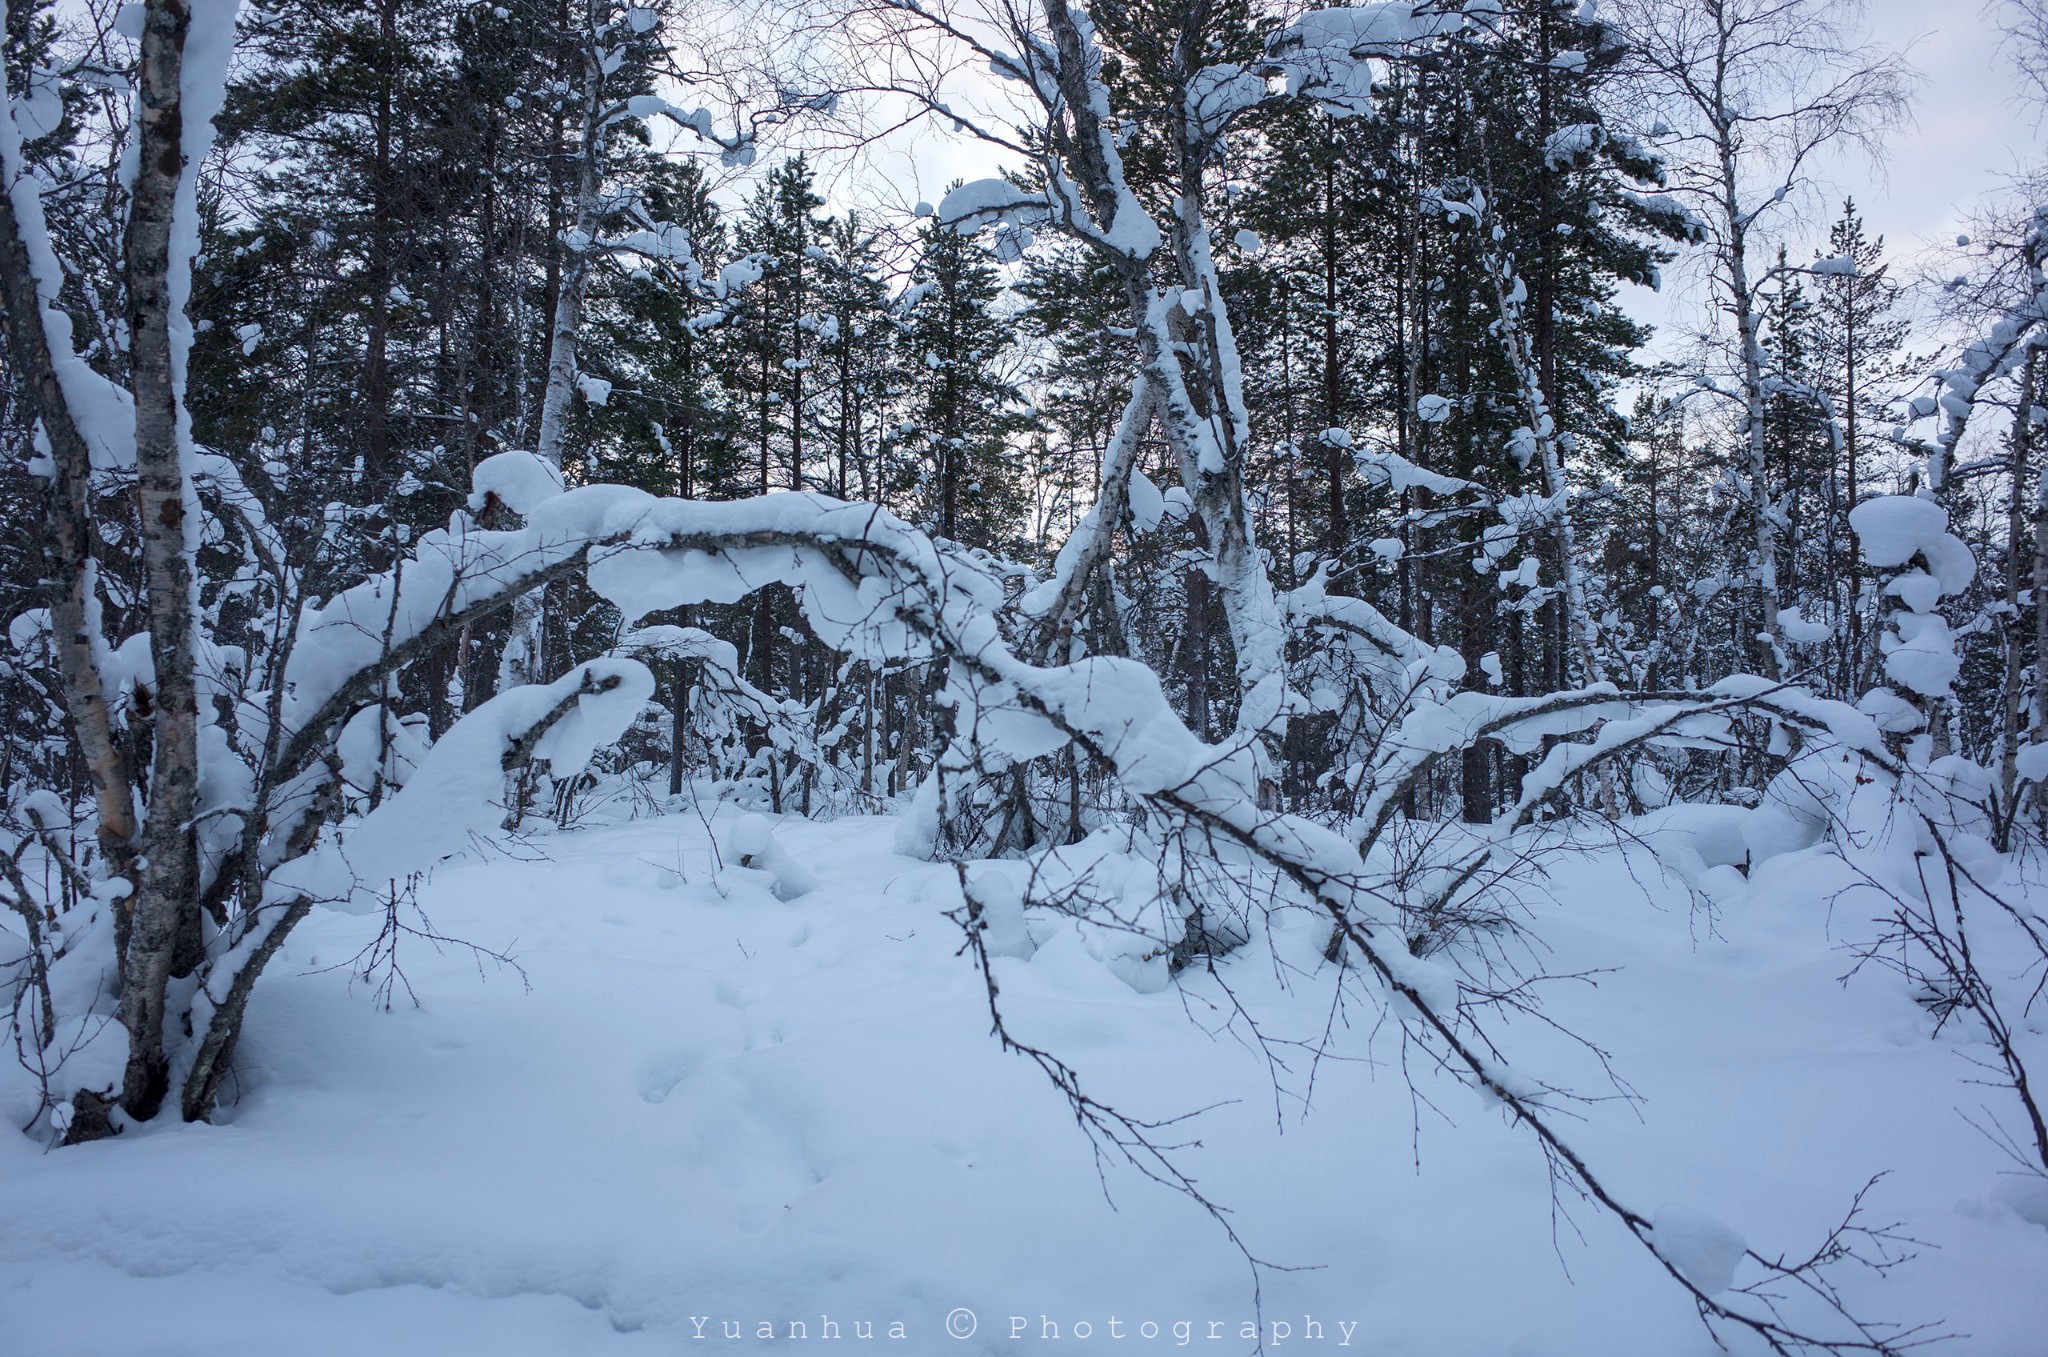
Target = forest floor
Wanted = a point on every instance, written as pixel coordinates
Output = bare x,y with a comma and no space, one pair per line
704,1105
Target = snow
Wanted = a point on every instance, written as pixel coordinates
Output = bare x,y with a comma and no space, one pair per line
103,410
1217,94
1892,529
754,1053
753,844
1917,643
715,1106
208,46
1570,145
985,202
1699,1246
1920,654
522,481
1364,31
1893,714
363,753
1402,474
1799,631
1132,231
1005,931
1148,504
456,794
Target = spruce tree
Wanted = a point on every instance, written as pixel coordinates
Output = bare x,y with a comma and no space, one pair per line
771,322
1859,361
964,412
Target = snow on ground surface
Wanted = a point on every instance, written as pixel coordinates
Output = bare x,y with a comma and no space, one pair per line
716,1105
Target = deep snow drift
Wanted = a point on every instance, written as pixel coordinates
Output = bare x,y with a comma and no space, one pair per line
716,1105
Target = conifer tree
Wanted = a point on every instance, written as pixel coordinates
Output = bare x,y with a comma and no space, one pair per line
856,375
964,414
773,322
1859,361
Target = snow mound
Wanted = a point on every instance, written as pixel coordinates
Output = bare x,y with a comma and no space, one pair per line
522,482
752,843
1704,1251
1892,529
1002,913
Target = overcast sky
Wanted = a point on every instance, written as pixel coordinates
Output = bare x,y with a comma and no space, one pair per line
1970,131
1968,137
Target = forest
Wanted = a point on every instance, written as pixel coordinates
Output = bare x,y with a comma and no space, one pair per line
1403,621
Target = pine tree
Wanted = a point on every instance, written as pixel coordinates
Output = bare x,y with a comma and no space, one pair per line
667,421
965,413
772,322
1797,434
856,374
341,91
1859,360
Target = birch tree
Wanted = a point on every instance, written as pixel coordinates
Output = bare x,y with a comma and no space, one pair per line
1747,96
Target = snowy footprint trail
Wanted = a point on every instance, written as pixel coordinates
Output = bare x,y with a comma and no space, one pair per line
716,1108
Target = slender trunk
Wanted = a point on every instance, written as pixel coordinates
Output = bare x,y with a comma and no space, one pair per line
2022,443
766,399
1475,760
1089,544
842,450
867,729
1333,397
2040,585
1742,301
679,717
1852,672
163,927
575,254
1578,621
1189,355
1653,671
525,657
796,375
1195,641
67,542
376,374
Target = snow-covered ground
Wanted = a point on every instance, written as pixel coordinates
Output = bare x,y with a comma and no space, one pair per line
713,1105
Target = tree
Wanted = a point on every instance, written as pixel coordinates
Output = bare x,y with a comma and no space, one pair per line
959,443
1750,92
773,323
243,658
857,368
1857,338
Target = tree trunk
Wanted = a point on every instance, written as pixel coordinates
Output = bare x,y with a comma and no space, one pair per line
575,252
67,543
163,927
1764,580
2016,570
376,372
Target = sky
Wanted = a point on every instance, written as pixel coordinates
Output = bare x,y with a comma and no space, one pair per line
1970,130
1969,135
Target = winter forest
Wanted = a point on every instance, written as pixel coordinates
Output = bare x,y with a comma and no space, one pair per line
1382,686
